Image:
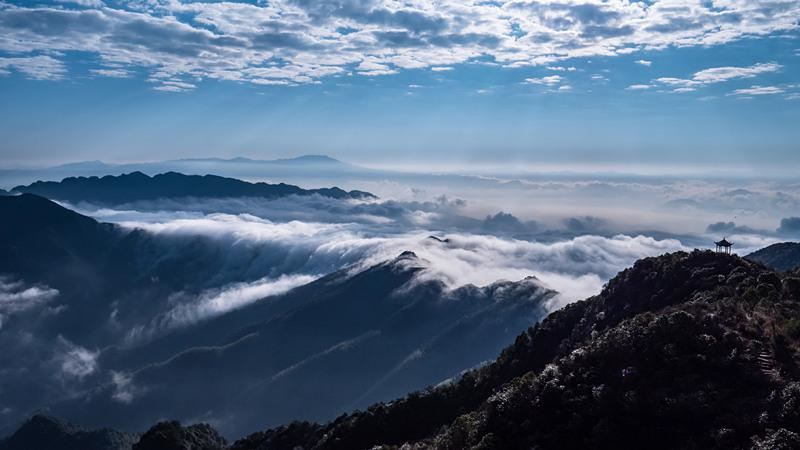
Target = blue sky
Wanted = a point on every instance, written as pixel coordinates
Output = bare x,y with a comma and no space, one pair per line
614,84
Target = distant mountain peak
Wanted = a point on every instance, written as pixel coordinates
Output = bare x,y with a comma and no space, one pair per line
83,165
310,159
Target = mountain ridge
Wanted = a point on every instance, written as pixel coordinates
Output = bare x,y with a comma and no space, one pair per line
687,350
137,186
671,290
782,256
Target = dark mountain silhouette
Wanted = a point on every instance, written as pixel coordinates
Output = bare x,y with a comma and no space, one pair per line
686,350
136,186
37,236
43,433
695,350
171,435
301,167
783,256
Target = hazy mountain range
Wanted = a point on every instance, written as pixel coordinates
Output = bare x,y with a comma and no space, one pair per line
116,190
237,167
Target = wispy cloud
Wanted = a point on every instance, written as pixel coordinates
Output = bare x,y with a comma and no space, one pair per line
16,296
76,361
549,80
216,302
759,90
111,73
716,75
720,74
36,67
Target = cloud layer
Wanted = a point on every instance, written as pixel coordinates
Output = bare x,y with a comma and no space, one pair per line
577,267
178,43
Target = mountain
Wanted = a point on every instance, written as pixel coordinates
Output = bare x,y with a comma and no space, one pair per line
344,341
43,432
90,263
136,186
38,236
301,167
686,350
93,323
171,435
313,160
783,256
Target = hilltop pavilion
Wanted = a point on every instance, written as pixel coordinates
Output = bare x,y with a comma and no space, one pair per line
724,246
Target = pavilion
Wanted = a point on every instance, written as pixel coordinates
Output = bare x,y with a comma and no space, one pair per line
724,246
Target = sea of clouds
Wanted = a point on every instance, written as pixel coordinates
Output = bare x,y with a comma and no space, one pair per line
571,233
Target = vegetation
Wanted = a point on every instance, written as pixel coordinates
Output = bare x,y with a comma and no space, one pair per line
686,350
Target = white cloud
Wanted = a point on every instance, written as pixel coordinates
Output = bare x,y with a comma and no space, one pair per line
718,75
561,68
551,80
75,360
88,3
124,390
215,302
676,81
16,297
292,42
35,67
638,87
174,86
644,62
112,73
759,90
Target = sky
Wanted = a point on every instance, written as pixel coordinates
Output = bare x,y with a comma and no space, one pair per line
605,84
